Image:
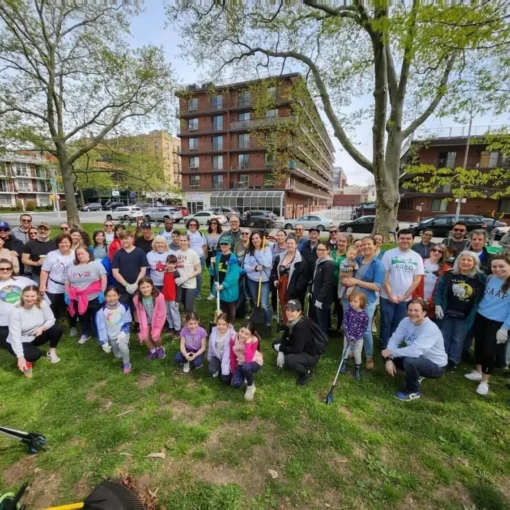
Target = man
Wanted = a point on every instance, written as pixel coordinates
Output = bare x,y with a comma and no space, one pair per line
404,268
333,237
167,232
21,232
457,237
296,350
300,235
423,356
10,242
129,266
424,246
35,251
309,250
478,243
235,231
144,242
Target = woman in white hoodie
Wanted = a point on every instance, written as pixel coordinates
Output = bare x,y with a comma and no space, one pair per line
218,354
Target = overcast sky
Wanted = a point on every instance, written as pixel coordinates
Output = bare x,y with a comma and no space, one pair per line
149,28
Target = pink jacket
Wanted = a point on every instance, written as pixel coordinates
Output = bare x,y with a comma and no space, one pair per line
158,318
82,296
251,353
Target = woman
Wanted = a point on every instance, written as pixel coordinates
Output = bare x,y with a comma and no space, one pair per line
279,246
240,250
199,246
108,232
116,244
258,265
368,279
492,322
79,237
290,276
138,228
84,290
31,325
379,240
358,244
322,288
188,264
157,260
338,255
8,254
99,246
213,234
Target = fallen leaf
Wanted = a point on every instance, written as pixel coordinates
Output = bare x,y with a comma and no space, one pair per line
160,455
125,412
126,454
273,473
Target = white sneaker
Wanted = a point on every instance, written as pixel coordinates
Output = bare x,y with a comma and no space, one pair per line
249,393
216,374
73,332
474,376
186,368
483,388
84,339
52,357
211,297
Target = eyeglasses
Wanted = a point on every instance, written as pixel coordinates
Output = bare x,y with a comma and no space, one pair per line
246,233
106,225
459,230
64,228
5,269
26,221
299,230
437,251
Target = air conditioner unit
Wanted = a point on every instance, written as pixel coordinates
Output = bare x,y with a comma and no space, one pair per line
193,128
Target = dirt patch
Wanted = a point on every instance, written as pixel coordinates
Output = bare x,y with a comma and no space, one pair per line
19,471
92,393
146,381
42,492
183,412
455,493
82,488
504,486
338,463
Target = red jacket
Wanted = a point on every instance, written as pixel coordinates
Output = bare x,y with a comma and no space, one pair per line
169,285
115,245
420,290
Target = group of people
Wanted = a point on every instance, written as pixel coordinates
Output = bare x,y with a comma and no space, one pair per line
433,298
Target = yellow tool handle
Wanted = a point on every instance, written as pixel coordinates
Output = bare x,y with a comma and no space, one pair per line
72,506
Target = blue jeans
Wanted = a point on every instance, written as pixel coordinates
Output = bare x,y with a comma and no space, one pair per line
368,338
454,334
199,277
253,287
391,316
416,368
196,363
245,371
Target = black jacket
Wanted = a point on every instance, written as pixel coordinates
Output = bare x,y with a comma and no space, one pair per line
299,339
322,284
485,262
309,254
11,243
298,282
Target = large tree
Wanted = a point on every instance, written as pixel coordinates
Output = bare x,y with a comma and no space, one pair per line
412,58
68,74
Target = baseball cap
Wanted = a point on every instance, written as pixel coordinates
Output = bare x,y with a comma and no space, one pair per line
4,225
45,225
294,305
314,229
145,224
226,240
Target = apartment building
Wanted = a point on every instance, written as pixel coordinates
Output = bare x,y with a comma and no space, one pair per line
167,148
26,177
226,161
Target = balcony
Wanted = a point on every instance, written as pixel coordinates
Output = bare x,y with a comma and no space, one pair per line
304,189
312,161
259,123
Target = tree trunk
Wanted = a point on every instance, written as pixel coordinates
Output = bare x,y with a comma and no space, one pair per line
73,215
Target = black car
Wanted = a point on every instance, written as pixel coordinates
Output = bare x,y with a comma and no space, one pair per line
113,205
257,221
363,225
442,224
95,206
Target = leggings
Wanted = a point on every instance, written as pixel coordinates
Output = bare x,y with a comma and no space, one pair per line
120,350
229,309
487,350
31,350
301,363
59,308
188,299
87,320
245,371
356,347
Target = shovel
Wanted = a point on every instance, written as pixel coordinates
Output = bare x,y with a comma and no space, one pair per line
33,440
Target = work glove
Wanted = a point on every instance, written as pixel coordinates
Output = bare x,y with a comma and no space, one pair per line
276,347
318,305
100,298
502,336
280,360
219,287
439,312
123,339
67,301
179,281
106,347
131,288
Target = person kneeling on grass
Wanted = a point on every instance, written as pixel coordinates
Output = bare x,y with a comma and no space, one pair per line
150,309
218,353
193,343
113,322
32,324
423,356
245,359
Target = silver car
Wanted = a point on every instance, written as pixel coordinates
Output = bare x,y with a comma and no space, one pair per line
159,214
308,221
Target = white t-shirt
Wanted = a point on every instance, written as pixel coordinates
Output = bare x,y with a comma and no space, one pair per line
56,265
10,295
197,242
166,235
157,263
186,262
108,237
430,278
402,268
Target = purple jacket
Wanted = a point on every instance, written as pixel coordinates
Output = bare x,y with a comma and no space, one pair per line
355,324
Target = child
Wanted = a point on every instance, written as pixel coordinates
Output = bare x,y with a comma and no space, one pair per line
245,359
347,268
355,324
175,246
150,309
170,292
451,254
218,354
113,323
193,342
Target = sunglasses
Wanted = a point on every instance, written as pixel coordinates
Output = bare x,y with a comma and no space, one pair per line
5,269
437,251
224,244
213,223
459,230
4,230
246,233
26,221
64,228
108,224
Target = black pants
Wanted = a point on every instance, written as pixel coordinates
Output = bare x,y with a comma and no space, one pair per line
229,309
244,297
59,308
338,310
416,368
274,294
487,350
31,350
87,320
301,363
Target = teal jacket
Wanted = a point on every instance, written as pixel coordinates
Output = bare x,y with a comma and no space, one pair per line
230,291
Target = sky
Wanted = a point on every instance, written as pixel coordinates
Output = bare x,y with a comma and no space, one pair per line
149,28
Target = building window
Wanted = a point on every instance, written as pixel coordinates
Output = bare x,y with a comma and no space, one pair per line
22,170
447,159
269,158
268,180
244,141
272,92
244,116
193,144
217,143
439,205
192,104
244,180
5,199
244,160
193,124
217,162
489,159
271,114
3,186
41,173
42,187
24,185
244,98
217,102
217,181
3,170
504,205
156,146
217,122
194,181
193,162
44,200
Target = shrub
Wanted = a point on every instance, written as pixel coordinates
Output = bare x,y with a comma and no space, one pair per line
19,205
30,205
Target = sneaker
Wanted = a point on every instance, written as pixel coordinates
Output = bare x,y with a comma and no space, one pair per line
216,374
73,332
474,376
126,368
199,366
186,368
198,298
407,397
152,355
52,357
369,364
160,352
343,368
84,339
357,373
303,379
28,372
249,393
483,388
420,380
211,297
452,367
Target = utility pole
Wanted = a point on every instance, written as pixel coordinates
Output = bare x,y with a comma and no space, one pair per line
464,165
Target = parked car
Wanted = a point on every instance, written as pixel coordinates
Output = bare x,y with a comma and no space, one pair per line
250,215
225,211
94,206
441,225
261,220
498,233
363,210
113,205
363,225
125,213
204,217
162,213
183,209
308,221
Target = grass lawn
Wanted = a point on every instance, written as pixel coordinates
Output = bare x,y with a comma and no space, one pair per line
285,450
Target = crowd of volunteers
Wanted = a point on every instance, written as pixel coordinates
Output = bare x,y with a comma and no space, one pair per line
432,299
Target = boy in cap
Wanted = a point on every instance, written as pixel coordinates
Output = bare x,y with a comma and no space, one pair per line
35,251
144,242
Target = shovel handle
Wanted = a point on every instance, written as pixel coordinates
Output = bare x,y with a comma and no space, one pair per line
72,506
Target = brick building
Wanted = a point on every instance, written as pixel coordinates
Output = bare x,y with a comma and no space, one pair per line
447,151
224,158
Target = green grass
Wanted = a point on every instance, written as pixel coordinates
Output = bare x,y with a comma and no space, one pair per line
451,449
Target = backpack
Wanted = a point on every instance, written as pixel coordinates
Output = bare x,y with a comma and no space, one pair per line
318,341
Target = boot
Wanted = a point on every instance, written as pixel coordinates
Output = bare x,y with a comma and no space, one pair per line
357,373
343,368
